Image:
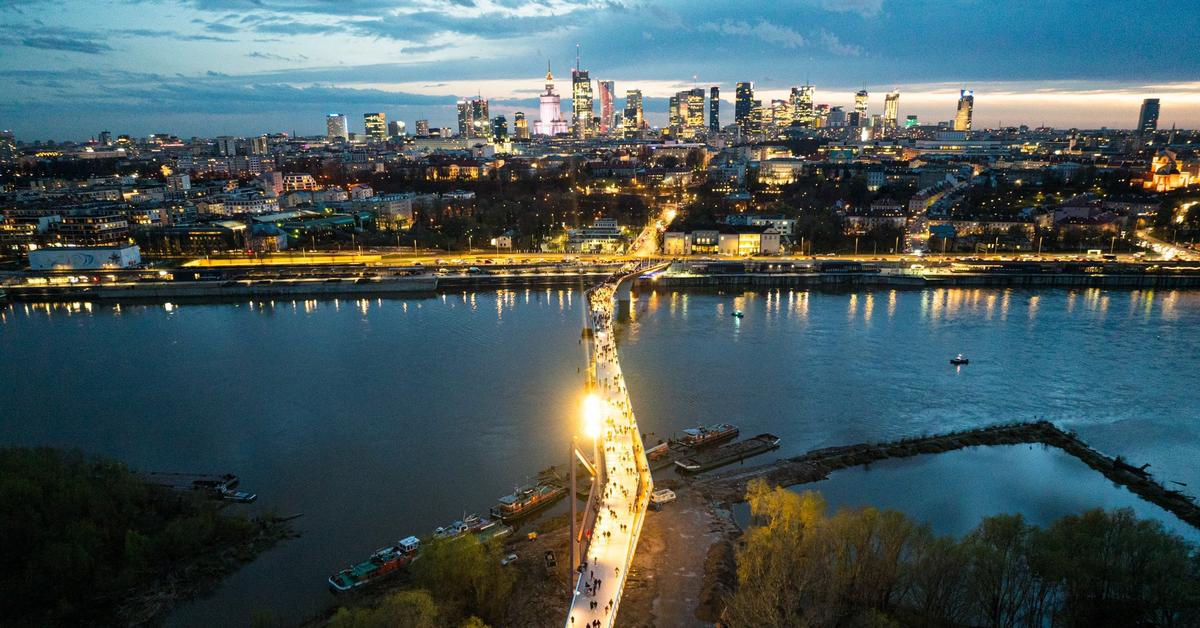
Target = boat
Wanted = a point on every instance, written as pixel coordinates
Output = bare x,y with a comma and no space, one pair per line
384,562
708,435
727,454
242,497
527,500
469,524
959,360
738,314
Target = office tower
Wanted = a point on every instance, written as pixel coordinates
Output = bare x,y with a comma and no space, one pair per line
551,121
674,115
227,146
801,102
860,107
396,128
520,126
714,109
607,111
1148,118
633,111
375,126
755,123
500,128
743,105
473,118
836,117
581,102
258,145
854,118
891,110
966,103
695,111
336,127
910,121
106,138
422,128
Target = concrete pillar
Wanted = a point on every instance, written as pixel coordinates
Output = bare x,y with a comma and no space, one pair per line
624,299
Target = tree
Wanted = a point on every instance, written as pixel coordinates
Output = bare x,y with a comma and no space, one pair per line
406,609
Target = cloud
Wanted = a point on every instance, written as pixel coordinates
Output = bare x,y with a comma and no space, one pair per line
85,46
274,57
865,8
762,30
833,44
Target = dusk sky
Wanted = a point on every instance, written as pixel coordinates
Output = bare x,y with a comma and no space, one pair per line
206,67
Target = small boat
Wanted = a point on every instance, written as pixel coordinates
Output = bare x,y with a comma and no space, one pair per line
706,435
242,497
469,524
728,454
385,561
959,360
527,500
738,314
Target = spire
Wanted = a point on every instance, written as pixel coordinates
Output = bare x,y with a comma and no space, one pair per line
549,76
577,56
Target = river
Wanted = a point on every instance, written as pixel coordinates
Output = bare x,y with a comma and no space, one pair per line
380,418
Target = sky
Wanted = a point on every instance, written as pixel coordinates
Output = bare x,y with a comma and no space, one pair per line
72,68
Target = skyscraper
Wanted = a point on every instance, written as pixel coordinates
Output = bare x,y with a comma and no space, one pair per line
396,128
375,126
802,106
743,105
694,120
520,126
581,103
633,111
714,109
551,121
966,104
674,114
500,128
607,112
422,128
891,110
1148,118
336,127
473,118
860,106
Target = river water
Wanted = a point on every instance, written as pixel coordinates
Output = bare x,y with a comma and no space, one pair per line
380,418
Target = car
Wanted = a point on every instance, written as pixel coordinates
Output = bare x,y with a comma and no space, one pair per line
508,560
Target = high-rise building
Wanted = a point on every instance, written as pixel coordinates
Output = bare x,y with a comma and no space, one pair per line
551,121
375,125
258,145
910,121
743,105
966,104
836,117
422,128
1148,118
674,114
802,106
581,103
695,111
860,107
105,138
891,110
227,146
397,128
520,126
336,127
633,111
714,109
500,128
607,110
473,118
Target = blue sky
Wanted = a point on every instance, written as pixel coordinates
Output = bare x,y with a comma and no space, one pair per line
207,67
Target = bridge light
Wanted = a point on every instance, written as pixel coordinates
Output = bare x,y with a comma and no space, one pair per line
593,413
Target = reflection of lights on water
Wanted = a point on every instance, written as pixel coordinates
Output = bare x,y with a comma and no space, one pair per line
170,307
891,303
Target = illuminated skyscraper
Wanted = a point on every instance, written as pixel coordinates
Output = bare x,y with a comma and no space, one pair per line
743,105
396,128
520,126
966,103
607,112
891,110
694,120
422,128
551,121
336,127
473,118
1148,118
714,109
674,114
375,125
860,106
633,111
802,106
581,100
500,128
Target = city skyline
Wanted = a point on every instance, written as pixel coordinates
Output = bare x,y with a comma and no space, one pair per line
248,67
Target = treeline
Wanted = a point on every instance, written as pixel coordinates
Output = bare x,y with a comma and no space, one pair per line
800,566
458,582
77,534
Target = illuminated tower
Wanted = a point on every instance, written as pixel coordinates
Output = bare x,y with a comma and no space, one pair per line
860,106
714,109
551,121
1148,118
520,126
581,100
891,110
375,125
802,106
607,113
743,105
336,127
966,104
633,120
